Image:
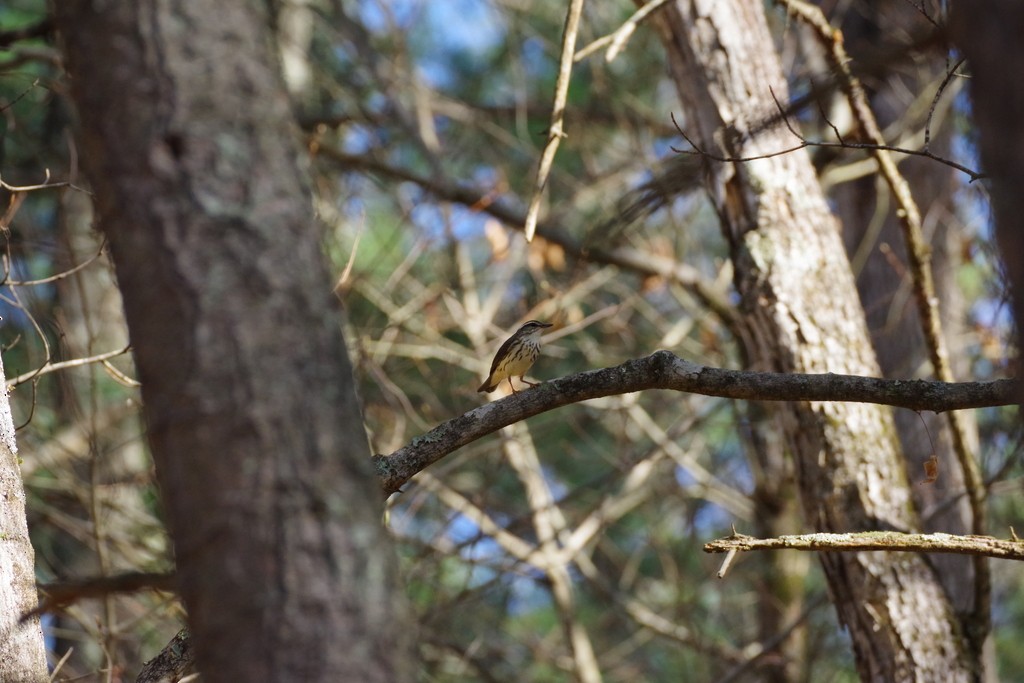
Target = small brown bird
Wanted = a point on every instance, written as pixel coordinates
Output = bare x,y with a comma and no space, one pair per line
515,357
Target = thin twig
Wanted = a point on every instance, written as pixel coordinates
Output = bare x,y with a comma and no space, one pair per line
13,205
15,300
120,377
935,101
923,11
60,664
48,367
59,276
555,132
841,144
20,95
618,38
45,185
729,557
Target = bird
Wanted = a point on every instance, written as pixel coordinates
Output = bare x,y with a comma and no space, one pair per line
515,357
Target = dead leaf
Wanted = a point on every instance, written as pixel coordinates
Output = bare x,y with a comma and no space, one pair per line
931,470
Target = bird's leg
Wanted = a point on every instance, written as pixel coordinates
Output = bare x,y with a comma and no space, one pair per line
512,386
523,380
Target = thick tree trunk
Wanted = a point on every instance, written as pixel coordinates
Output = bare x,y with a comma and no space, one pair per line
803,315
22,654
249,399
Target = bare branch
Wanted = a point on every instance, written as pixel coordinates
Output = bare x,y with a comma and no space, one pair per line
52,278
618,38
984,546
60,594
840,144
555,132
45,185
63,365
19,96
935,101
665,370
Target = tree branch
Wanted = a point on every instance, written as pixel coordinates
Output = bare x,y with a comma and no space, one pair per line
618,38
664,370
60,594
874,540
174,662
555,131
49,367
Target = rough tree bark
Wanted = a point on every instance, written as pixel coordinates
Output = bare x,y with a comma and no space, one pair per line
252,418
22,653
803,315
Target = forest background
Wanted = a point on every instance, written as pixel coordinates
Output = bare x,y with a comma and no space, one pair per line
569,546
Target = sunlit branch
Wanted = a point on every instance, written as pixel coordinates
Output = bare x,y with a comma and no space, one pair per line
618,39
555,131
64,365
985,546
664,370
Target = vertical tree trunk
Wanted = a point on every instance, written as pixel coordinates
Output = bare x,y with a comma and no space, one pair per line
803,315
22,653
249,398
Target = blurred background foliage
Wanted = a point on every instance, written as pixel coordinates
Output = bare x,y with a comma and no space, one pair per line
580,529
